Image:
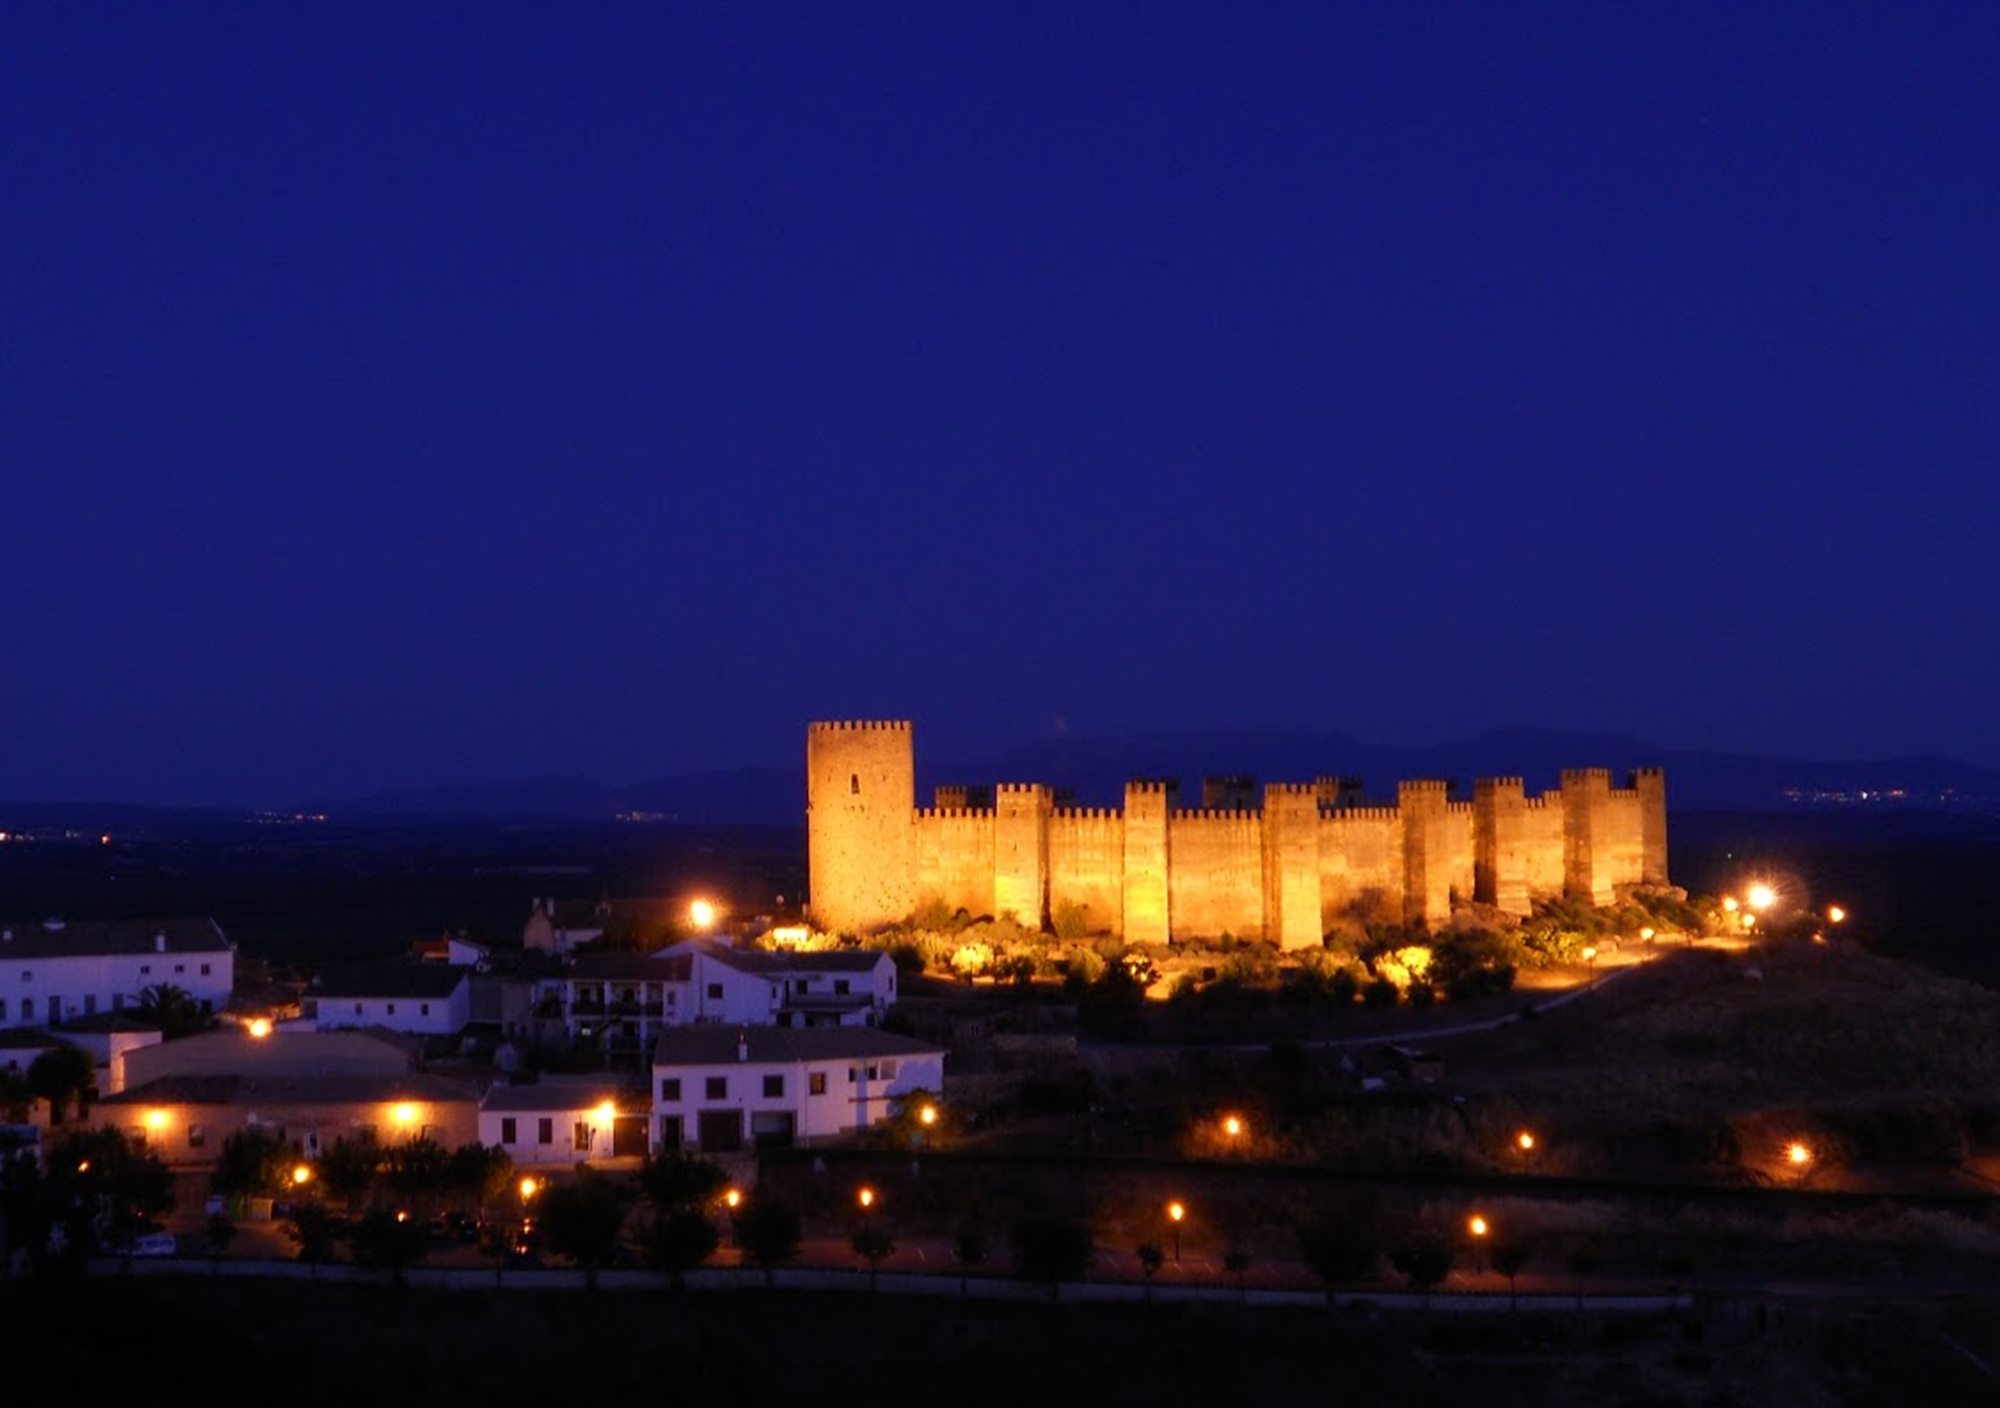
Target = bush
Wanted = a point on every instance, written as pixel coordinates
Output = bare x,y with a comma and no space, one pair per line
908,958
1379,993
1071,920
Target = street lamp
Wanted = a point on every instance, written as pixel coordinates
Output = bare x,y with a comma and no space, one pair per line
927,1116
1729,903
528,1188
1176,1213
1232,1126
1762,896
1478,1227
259,1027
1525,1141
302,1174
1835,914
732,1198
702,914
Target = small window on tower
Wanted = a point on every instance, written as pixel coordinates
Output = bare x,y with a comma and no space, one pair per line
854,783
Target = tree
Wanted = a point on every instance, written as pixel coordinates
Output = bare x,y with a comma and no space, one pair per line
253,1162
172,1010
769,1232
311,1227
388,1241
582,1219
496,1244
872,1244
477,1176
417,1171
1052,1248
1236,1261
61,1075
969,1247
347,1170
1151,1258
675,1181
1424,1260
15,1096
678,1241
221,1232
1340,1247
105,1189
1508,1258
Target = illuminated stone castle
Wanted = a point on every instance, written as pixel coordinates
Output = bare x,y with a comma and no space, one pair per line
1309,859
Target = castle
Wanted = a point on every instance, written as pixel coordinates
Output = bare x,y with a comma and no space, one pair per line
1310,858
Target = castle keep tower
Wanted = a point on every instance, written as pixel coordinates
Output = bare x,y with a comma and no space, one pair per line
861,789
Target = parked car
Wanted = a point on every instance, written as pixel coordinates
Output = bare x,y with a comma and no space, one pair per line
155,1244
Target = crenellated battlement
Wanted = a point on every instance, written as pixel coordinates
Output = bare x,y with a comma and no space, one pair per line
1586,777
1023,789
1543,801
1361,814
953,813
1291,789
1150,786
1216,814
1422,787
1460,808
861,726
1087,814
1499,784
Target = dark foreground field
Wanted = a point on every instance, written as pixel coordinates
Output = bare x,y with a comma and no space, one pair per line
197,1341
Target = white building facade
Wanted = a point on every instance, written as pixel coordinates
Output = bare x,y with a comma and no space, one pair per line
564,1122
422,999
720,1091
54,970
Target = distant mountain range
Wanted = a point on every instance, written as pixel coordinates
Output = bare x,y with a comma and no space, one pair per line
1096,770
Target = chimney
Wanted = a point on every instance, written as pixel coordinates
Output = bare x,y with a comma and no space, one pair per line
160,942
742,1045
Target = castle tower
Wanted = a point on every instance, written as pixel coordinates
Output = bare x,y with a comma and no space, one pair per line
860,793
1291,865
1499,843
1021,852
1145,876
1651,785
1426,864
1586,801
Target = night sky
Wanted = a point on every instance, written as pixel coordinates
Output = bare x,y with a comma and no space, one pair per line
469,395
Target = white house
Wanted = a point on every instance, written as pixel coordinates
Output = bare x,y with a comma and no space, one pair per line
833,987
564,1120
719,1089
423,999
55,969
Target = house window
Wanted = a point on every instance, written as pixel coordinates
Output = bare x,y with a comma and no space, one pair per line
545,1130
27,975
27,1009
204,970
840,987
3,1009
673,998
816,1083
197,1136
581,1136
854,784
89,1003
718,1087
508,1130
670,1089
424,1009
670,1133
715,991
774,1087
392,1009
357,1009
145,969
180,968
888,1070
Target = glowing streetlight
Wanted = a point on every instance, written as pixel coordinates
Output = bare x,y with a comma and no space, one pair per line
1232,1125
156,1120
83,1165
1749,921
1835,914
606,1113
1798,1154
866,1197
1525,1141
1645,936
927,1116
403,1113
732,1198
528,1187
259,1027
702,914
301,1174
1176,1214
1477,1225
1762,896
1729,903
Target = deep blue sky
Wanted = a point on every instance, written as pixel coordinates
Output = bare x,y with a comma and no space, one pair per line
404,398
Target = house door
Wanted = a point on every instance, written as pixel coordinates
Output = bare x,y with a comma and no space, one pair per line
772,1129
721,1131
628,1136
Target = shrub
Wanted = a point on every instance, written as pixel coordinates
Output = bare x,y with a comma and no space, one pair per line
1379,993
908,957
1071,920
